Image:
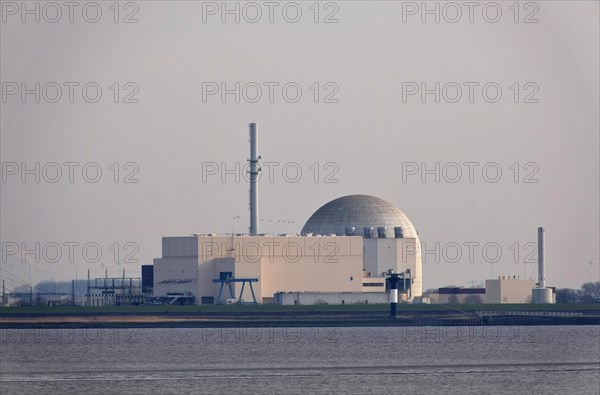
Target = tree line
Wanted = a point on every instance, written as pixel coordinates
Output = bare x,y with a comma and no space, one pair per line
588,293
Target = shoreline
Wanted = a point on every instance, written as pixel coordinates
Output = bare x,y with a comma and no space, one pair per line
247,316
290,318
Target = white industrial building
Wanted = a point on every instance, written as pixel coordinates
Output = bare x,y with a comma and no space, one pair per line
328,257
507,289
504,289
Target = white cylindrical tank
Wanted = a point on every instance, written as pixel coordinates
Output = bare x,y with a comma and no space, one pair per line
542,295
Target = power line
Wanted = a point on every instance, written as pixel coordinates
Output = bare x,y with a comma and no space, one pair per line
24,282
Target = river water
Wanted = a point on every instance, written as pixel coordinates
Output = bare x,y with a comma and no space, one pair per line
426,360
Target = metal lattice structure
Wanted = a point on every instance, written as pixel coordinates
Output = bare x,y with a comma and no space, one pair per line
229,281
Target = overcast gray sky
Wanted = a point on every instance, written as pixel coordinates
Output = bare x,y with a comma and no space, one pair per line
368,129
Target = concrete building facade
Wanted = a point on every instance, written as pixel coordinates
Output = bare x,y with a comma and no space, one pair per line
189,264
310,298
280,263
329,256
508,289
397,254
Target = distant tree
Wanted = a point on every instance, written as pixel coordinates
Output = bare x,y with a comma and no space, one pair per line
65,287
590,292
452,299
21,289
473,299
567,295
53,286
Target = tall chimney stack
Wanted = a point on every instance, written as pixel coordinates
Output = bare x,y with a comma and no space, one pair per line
254,170
541,264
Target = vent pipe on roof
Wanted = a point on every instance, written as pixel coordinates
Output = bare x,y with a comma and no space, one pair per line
399,232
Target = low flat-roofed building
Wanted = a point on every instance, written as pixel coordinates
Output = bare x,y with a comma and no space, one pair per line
311,298
280,263
461,295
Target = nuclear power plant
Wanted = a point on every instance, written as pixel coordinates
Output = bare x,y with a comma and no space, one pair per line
341,255
349,251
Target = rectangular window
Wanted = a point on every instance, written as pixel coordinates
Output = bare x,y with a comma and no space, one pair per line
372,284
208,300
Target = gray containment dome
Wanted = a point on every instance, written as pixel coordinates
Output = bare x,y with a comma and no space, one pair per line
358,211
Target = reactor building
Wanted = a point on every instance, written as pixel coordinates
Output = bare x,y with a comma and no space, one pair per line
329,262
341,255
